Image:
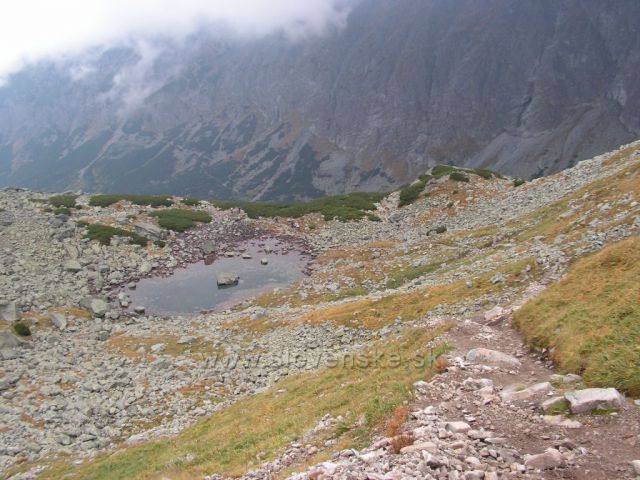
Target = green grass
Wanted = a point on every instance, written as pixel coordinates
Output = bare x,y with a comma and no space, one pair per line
103,234
146,200
404,275
179,219
228,441
591,319
410,194
458,177
353,206
62,211
22,330
443,170
63,201
518,182
191,202
559,408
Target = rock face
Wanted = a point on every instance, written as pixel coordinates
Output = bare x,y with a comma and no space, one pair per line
403,85
227,279
582,401
492,357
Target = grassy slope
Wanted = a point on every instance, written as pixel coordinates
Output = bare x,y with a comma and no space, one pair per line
229,440
591,319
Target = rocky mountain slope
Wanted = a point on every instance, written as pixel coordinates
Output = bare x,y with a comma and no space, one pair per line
525,88
400,355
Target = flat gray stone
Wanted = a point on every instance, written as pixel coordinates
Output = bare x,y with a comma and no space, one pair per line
72,266
495,358
560,421
150,231
98,306
589,399
457,427
548,460
514,393
58,319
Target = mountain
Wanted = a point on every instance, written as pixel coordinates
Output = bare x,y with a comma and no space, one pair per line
523,87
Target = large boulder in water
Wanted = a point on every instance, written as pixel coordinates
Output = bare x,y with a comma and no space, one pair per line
226,279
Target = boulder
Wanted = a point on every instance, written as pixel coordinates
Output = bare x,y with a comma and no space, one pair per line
564,379
496,314
553,403
264,261
207,247
497,278
247,256
516,393
589,399
457,427
6,218
560,421
493,357
636,466
9,312
58,319
98,306
226,279
9,340
150,231
145,267
548,460
72,266
420,447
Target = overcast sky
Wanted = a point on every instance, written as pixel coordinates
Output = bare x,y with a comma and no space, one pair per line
32,30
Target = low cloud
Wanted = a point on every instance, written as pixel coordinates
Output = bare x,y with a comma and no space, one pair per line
36,30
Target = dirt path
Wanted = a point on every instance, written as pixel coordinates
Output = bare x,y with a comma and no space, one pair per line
600,449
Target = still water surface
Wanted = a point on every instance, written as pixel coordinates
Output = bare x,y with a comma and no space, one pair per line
194,288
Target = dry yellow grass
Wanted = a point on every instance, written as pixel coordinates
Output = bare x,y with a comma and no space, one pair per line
229,441
128,346
591,319
375,314
548,222
621,155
